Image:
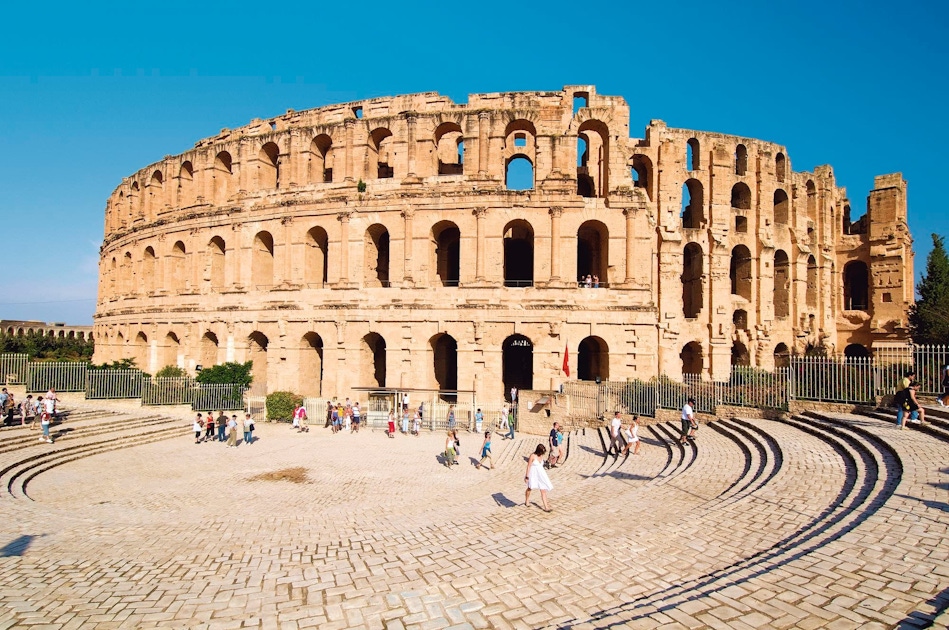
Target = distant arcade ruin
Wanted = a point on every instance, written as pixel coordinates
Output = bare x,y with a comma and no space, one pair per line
392,242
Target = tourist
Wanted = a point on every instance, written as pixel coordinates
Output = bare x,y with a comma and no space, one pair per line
486,451
615,424
28,411
631,433
198,428
554,447
449,449
479,421
221,427
536,477
451,417
416,423
232,431
209,428
688,421
248,429
391,430
357,418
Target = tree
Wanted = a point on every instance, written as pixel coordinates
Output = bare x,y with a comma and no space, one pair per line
929,316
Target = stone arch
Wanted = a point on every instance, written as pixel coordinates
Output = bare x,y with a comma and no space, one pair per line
741,196
593,243
519,173
693,275
782,356
693,205
177,273
780,167
186,187
217,250
741,160
372,366
171,348
221,174
311,365
812,273
782,284
449,149
316,258
593,359
320,165
782,207
262,261
740,355
518,254
268,167
856,286
641,172
209,349
257,345
149,270
380,160
740,272
693,155
595,166
517,363
376,262
446,253
445,361
692,358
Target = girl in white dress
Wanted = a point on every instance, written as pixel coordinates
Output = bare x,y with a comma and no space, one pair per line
536,478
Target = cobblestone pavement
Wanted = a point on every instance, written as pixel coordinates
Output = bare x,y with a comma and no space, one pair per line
827,520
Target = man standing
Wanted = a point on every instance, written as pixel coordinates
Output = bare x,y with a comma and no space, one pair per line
688,421
615,425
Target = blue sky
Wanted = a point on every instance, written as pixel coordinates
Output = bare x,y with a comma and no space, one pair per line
90,95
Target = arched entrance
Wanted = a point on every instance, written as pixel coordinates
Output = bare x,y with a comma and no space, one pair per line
517,363
445,351
593,360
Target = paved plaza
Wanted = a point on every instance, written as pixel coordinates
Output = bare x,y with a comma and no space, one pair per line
822,520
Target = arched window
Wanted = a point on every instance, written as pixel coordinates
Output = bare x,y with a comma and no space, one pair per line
268,167
740,272
262,276
518,254
376,262
373,364
311,365
446,253
740,356
856,286
782,209
517,363
741,160
741,196
782,285
593,360
320,167
445,361
316,258
519,173
780,166
257,344
593,242
222,177
149,270
209,349
186,192
693,274
692,358
812,271
449,149
641,171
380,143
693,155
693,205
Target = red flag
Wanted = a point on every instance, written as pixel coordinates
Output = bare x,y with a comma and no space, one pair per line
566,360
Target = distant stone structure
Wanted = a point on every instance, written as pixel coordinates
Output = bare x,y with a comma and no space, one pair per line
22,328
388,242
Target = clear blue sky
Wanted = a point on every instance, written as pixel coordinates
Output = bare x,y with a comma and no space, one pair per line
90,95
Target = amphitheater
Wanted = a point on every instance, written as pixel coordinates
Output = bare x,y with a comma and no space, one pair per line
414,242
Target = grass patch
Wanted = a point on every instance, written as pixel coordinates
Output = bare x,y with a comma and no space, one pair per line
296,474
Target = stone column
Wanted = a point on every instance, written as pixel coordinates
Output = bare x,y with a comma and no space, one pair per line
410,120
348,150
630,243
483,120
479,252
343,218
407,216
555,213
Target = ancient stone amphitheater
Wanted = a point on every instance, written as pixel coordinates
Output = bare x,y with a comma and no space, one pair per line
412,241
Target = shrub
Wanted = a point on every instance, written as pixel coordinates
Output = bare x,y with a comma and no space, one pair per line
227,373
171,371
280,405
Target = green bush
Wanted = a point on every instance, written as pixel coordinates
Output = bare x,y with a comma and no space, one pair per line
171,371
227,373
280,405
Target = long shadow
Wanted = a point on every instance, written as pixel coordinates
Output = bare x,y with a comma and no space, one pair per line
17,547
920,619
502,500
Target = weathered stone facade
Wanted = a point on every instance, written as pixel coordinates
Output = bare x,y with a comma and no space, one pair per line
264,243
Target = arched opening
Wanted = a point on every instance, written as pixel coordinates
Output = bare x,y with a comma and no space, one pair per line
446,250
257,344
692,359
311,365
782,284
262,261
740,319
186,193
693,273
320,167
141,351
593,162
373,364
445,364
641,171
740,356
741,196
177,272
149,269
222,177
856,286
449,149
780,166
740,272
782,208
268,167
376,262
316,258
693,205
380,143
519,173
593,241
856,351
209,349
693,155
217,251
593,360
782,356
172,348
741,160
518,254
517,363
811,294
